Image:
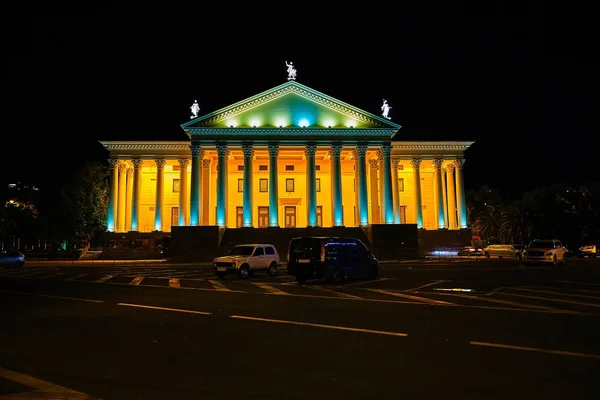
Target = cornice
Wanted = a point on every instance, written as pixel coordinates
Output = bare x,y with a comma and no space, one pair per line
432,145
291,132
122,145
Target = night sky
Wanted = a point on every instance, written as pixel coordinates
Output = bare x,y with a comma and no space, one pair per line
521,82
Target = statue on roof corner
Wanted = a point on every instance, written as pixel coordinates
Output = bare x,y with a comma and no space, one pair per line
291,71
386,109
195,109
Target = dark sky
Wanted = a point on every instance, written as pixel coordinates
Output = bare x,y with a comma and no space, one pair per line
521,81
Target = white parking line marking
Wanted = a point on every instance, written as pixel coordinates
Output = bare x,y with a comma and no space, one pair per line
579,303
164,308
137,280
75,277
559,352
104,278
46,388
335,293
408,296
218,286
174,283
53,297
270,288
341,328
424,286
557,293
52,276
510,303
365,282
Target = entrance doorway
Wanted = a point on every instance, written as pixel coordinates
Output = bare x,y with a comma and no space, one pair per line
174,216
239,217
263,217
290,216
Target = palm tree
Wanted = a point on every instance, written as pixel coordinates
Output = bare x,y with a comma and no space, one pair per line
486,223
515,225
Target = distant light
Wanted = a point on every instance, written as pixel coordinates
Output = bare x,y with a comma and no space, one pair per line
351,123
304,123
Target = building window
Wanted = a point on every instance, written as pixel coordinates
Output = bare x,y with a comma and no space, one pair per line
317,167
402,214
176,167
289,167
175,185
240,185
318,184
240,167
400,167
401,184
151,209
289,185
263,167
263,185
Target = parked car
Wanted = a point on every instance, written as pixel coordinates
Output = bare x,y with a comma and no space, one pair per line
589,250
544,251
468,251
504,250
12,258
246,259
333,258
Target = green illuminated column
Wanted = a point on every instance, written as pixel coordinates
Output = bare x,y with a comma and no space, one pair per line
395,190
336,177
183,196
416,164
248,151
460,194
439,194
388,195
160,191
195,202
311,184
114,191
222,185
135,202
363,201
273,190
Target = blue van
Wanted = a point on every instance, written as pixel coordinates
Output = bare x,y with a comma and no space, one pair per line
333,258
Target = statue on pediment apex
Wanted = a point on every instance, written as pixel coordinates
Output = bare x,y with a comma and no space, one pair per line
291,71
386,109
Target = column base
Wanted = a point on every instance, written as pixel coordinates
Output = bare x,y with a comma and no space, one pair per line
274,226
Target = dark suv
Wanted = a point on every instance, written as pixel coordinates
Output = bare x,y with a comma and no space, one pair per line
334,258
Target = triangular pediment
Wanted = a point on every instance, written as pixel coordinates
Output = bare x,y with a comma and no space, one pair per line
291,105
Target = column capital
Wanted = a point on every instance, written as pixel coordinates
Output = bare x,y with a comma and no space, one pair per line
129,172
206,163
451,167
336,150
122,167
437,162
460,162
183,162
374,163
160,162
273,149
113,162
196,150
248,149
361,149
222,150
395,163
310,150
386,149
137,162
416,162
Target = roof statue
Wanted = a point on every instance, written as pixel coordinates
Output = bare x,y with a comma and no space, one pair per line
195,109
386,109
291,71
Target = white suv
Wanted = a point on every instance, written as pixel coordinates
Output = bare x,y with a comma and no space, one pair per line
246,259
544,251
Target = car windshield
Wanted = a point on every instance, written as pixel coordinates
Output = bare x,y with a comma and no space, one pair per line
241,251
540,244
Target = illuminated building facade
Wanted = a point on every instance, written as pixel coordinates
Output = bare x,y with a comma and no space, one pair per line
288,157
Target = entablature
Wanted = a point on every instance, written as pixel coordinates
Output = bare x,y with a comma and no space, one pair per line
429,150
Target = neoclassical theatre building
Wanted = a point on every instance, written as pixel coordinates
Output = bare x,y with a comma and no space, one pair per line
289,157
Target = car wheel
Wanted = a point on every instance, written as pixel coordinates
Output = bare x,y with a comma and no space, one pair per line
518,255
272,271
244,271
554,262
487,255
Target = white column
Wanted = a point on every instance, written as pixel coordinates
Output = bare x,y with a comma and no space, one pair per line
395,189
160,190
416,164
183,192
451,193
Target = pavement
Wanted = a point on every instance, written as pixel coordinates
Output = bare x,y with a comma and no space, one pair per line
479,329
